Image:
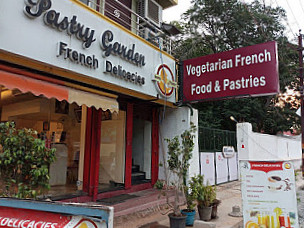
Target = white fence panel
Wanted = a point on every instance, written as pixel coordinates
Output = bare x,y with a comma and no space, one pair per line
208,167
221,165
233,167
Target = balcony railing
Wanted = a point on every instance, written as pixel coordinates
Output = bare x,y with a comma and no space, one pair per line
137,24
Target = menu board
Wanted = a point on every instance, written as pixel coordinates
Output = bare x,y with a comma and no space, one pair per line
269,195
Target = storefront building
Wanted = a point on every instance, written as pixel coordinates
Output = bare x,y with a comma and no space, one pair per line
90,78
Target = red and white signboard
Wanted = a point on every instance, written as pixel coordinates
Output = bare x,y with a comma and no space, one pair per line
268,193
22,218
248,71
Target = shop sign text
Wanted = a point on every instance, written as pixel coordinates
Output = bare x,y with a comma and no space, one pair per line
72,27
248,71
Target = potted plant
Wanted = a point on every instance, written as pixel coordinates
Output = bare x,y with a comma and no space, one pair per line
191,202
214,206
179,155
205,195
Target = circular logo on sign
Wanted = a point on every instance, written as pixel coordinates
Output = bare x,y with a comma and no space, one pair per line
165,81
287,165
86,223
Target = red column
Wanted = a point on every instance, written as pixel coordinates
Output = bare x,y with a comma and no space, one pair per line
92,153
87,152
95,153
129,136
155,146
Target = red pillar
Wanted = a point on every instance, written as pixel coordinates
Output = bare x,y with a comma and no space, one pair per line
155,146
95,153
129,136
87,152
92,153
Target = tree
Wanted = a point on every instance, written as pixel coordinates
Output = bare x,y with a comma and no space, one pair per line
178,162
212,26
24,162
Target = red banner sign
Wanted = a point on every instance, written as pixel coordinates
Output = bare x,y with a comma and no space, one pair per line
248,71
266,166
23,218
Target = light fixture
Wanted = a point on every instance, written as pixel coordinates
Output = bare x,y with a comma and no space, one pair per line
233,119
170,29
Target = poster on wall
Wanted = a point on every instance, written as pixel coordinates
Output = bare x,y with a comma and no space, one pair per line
208,168
268,194
221,168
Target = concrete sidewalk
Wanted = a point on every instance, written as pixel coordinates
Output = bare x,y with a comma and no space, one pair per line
146,212
156,216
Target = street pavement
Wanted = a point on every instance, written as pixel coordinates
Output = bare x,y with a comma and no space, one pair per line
228,193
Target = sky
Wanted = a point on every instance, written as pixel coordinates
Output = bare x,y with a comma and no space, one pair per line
294,9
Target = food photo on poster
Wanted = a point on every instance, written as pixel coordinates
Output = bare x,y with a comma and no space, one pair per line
268,194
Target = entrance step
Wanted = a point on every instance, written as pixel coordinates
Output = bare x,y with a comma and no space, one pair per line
135,168
138,176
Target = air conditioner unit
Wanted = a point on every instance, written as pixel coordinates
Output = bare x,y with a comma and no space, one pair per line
151,11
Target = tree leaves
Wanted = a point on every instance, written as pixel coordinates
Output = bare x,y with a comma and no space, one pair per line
24,162
215,26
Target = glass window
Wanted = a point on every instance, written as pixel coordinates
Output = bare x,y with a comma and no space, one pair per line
58,123
112,150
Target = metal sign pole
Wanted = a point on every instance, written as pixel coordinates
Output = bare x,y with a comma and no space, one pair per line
301,91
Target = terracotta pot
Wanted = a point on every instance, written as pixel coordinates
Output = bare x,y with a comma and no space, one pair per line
177,221
204,213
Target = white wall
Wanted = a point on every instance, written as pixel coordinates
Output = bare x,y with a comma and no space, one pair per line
257,146
194,168
173,123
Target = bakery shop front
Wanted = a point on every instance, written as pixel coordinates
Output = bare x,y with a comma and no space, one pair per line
91,89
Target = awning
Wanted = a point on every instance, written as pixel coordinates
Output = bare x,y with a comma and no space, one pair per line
59,92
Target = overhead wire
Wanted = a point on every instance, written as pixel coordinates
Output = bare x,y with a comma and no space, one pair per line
263,32
301,6
283,53
287,21
293,15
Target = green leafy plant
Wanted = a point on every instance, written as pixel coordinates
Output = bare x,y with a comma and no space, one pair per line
24,162
204,194
159,185
179,155
190,198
